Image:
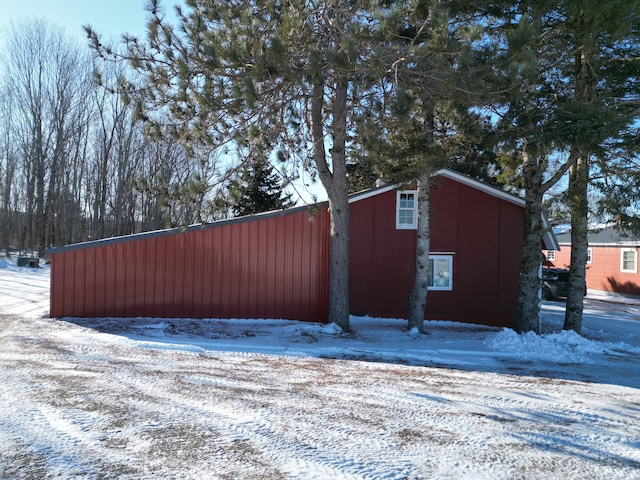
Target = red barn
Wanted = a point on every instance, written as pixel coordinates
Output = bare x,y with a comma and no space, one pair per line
276,265
612,261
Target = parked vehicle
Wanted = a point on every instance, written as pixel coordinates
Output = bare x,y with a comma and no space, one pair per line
554,283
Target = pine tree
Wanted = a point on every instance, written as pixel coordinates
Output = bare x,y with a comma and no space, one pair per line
257,189
528,124
599,108
563,104
419,117
282,75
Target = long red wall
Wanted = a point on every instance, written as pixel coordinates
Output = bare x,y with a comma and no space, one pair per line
276,265
270,267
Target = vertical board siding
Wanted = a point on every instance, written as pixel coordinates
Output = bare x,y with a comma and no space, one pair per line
277,266
477,272
483,233
272,267
77,276
508,256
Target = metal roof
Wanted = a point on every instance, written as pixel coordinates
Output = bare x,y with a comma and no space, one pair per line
176,230
609,235
549,238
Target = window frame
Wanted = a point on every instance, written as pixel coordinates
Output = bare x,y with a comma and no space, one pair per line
589,255
551,255
441,256
414,224
635,260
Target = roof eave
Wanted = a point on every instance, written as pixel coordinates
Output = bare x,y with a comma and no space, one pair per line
452,175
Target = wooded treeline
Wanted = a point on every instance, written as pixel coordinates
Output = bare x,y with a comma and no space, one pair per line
525,93
76,163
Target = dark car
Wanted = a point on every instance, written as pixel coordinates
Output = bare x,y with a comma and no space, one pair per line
554,283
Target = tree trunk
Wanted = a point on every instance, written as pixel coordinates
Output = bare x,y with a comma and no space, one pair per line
418,296
336,184
528,307
578,182
585,93
39,226
339,263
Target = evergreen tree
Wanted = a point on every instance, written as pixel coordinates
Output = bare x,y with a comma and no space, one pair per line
570,63
257,189
362,172
282,75
529,111
419,117
600,108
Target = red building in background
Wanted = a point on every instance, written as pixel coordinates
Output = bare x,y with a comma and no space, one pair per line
612,261
276,265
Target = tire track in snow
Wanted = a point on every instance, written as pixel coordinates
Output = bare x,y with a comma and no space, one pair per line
154,411
21,297
55,441
294,449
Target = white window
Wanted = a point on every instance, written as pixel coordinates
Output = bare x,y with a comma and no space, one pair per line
440,272
629,260
551,255
407,210
589,255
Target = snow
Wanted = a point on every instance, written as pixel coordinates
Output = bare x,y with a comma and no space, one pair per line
268,398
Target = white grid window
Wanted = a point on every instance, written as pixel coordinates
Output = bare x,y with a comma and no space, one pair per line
589,255
440,272
629,260
551,255
407,210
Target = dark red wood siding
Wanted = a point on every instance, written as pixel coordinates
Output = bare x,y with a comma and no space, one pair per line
274,266
482,232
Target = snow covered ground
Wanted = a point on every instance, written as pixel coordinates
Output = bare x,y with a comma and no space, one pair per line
157,398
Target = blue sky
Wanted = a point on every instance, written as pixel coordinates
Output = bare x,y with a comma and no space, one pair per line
111,18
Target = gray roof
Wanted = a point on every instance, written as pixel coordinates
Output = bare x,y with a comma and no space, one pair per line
548,238
176,230
608,235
